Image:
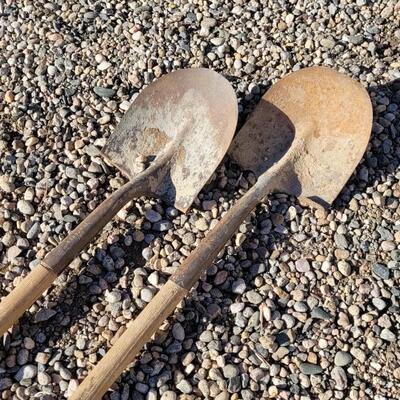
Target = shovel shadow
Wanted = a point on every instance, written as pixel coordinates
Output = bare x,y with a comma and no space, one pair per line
381,159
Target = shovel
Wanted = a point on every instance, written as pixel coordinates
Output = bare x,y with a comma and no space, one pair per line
304,138
181,125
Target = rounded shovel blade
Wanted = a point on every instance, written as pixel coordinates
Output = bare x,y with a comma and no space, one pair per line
192,110
324,116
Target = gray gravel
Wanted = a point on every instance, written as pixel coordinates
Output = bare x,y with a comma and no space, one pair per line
302,304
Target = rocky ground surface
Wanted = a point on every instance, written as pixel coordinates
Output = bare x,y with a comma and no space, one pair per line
302,304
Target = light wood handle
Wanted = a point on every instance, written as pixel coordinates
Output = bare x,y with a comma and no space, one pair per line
62,255
130,343
24,295
203,256
40,279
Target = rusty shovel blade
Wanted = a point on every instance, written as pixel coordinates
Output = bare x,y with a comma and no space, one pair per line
318,123
192,111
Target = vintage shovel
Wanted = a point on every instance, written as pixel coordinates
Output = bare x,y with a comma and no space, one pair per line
304,138
181,125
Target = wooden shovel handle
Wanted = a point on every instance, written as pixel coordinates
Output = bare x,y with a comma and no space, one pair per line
42,276
161,306
24,295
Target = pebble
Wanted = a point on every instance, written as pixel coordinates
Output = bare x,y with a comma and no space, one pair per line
206,336
341,241
354,310
178,332
152,216
239,286
254,297
6,185
9,96
33,231
13,252
147,253
26,372
201,224
188,238
104,65
44,314
162,226
230,371
5,383
380,304
153,278
29,343
302,265
22,356
339,376
344,268
42,358
234,384
25,207
81,343
328,43
320,313
310,369
113,296
342,359
169,395
146,294
388,335
104,92
381,271
136,35
184,386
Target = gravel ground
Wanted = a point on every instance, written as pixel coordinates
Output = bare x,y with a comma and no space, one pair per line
301,304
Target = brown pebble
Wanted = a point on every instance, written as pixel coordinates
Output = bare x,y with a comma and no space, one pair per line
9,96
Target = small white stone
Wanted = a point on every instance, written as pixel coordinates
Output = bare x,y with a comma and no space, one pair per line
302,265
237,64
344,268
104,65
137,35
43,378
146,294
113,297
25,207
153,278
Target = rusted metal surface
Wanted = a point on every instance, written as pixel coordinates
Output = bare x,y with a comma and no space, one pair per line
193,111
324,116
